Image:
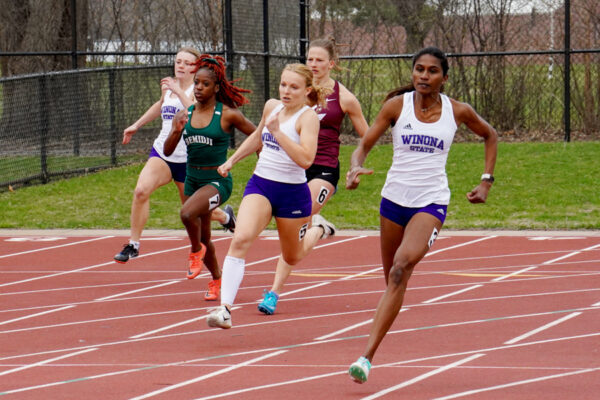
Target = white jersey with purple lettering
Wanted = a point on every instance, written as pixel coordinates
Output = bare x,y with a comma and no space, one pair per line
169,107
273,162
417,176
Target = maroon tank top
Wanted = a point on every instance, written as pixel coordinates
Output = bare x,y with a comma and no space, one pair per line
331,117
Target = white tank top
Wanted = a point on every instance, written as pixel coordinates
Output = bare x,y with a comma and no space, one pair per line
168,109
417,176
273,162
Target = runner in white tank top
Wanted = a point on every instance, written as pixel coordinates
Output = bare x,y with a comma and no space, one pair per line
416,194
288,133
417,176
274,163
170,106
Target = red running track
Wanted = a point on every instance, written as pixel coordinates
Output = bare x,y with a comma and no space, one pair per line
485,317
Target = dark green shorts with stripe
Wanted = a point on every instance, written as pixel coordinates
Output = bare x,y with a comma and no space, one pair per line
195,179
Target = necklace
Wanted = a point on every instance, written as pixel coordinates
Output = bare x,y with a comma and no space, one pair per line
423,110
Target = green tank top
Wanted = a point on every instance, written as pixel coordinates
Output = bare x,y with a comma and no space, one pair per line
206,147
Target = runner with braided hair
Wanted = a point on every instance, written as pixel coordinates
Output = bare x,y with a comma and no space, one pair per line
206,127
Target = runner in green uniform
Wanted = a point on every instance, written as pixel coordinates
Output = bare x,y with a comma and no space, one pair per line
207,126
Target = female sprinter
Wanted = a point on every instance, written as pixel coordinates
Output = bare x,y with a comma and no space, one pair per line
206,128
415,196
323,175
288,132
176,95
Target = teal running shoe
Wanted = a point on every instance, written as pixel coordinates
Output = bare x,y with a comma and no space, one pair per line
269,303
359,371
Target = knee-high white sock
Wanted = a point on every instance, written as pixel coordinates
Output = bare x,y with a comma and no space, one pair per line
231,279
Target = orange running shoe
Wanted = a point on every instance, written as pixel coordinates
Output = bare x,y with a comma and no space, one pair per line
214,290
196,262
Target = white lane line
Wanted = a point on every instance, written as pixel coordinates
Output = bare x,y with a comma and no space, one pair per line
106,285
87,378
272,385
379,268
304,288
571,254
314,248
451,294
164,328
460,245
596,305
35,315
137,290
312,286
346,329
54,247
503,277
287,348
422,377
203,377
517,383
99,265
314,377
37,364
542,328
349,328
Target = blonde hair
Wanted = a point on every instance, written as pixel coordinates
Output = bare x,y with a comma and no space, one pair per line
318,94
190,50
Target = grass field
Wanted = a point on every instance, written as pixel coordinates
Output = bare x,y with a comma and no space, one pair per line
543,186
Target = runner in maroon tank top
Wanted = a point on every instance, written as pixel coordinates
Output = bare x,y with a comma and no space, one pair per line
324,174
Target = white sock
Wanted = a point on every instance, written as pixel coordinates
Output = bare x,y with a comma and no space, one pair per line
135,244
227,218
231,279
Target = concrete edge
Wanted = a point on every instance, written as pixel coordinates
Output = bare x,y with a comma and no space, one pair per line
217,233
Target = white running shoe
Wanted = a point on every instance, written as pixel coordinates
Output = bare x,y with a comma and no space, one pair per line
359,371
220,317
328,227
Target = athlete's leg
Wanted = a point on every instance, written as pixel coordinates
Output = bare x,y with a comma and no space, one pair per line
296,238
254,215
180,188
195,215
219,216
320,192
412,249
156,173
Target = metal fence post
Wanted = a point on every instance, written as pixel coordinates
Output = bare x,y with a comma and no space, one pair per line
567,98
303,30
267,89
43,128
73,34
228,40
111,111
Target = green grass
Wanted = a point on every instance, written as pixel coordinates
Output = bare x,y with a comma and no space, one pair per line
539,186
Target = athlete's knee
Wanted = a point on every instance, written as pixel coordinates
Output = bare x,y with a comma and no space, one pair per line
186,216
141,193
401,270
291,259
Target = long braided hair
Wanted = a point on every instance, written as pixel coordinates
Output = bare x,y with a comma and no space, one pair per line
228,94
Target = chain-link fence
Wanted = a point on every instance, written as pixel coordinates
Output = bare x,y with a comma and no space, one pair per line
509,59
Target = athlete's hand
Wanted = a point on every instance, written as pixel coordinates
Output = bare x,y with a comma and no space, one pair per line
479,193
224,168
272,123
352,176
168,83
129,132
179,121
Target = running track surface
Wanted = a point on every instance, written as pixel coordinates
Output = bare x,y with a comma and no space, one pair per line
486,316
